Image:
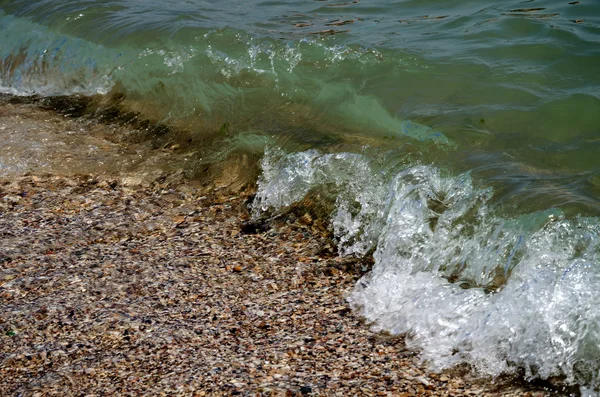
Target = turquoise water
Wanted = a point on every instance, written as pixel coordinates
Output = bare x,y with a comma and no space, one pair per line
486,111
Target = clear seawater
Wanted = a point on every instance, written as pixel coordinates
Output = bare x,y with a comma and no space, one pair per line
459,140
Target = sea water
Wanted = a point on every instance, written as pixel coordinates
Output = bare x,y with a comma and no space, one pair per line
458,141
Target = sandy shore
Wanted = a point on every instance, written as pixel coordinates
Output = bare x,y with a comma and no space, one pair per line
124,286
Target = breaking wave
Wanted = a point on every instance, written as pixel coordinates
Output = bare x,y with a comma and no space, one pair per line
464,282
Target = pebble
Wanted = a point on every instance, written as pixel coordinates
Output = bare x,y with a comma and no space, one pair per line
114,284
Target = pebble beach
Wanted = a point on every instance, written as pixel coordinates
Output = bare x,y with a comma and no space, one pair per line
112,284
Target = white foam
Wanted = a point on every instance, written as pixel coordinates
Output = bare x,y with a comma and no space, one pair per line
465,284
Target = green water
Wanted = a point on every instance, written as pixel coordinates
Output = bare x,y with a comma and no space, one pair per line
508,90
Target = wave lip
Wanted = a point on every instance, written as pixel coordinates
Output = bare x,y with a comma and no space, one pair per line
36,60
462,282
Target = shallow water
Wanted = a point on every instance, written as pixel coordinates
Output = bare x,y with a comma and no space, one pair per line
460,142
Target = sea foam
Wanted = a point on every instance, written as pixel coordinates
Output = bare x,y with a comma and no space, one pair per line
463,282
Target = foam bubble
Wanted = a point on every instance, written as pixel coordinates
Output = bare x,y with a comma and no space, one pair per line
463,282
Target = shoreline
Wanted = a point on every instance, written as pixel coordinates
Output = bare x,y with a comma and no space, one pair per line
135,286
